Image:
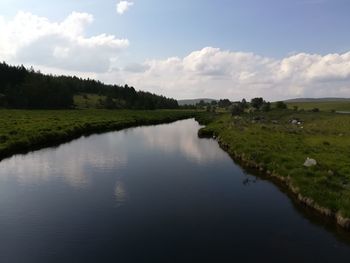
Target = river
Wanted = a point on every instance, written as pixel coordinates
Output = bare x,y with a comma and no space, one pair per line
152,194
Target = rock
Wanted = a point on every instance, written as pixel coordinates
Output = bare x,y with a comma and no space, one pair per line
343,221
296,121
330,173
274,121
310,162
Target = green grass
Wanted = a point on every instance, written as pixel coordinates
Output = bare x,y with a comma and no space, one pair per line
322,105
272,142
281,147
23,130
88,101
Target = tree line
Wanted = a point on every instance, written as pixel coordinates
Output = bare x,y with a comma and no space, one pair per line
238,107
29,89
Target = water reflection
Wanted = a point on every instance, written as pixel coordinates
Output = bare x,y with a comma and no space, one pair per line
120,192
76,162
73,162
249,180
147,194
182,139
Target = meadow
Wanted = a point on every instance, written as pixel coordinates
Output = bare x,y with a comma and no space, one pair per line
23,130
277,146
88,101
322,105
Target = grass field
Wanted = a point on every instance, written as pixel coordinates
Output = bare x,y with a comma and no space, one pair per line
322,105
23,130
270,141
88,101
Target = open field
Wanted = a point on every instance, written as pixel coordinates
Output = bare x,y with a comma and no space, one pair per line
271,143
322,105
88,101
23,130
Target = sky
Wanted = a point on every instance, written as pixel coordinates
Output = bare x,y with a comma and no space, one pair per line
276,49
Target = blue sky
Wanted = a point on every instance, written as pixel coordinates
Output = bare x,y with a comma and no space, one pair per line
267,33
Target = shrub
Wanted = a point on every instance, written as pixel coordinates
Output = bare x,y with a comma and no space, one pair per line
266,106
281,105
256,103
237,109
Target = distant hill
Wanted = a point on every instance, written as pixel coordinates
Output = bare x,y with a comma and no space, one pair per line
193,101
323,104
330,99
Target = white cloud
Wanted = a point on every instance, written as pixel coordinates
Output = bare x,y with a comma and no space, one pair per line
123,6
31,39
215,73
63,48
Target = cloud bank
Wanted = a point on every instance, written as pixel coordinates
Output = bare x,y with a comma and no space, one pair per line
31,39
123,6
63,48
212,72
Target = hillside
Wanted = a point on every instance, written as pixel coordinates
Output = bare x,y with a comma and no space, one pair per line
194,101
329,99
21,88
323,104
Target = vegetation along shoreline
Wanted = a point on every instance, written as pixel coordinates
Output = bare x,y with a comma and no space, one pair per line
26,130
269,143
305,146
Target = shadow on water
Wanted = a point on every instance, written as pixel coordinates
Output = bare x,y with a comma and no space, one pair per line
254,176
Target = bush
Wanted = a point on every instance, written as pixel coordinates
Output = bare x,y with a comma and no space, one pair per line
237,109
266,106
281,105
256,103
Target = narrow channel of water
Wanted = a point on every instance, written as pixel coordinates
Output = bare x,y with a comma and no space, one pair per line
152,194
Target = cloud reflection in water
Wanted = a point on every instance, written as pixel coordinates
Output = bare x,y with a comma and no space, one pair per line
76,163
182,139
73,162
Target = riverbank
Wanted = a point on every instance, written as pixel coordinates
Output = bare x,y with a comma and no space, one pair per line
278,143
26,130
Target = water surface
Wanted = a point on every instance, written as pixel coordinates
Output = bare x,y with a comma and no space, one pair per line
152,194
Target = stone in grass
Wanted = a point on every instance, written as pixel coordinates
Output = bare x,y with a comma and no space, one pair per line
330,173
310,162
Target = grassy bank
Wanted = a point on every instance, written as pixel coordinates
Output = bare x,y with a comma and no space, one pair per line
271,143
23,130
